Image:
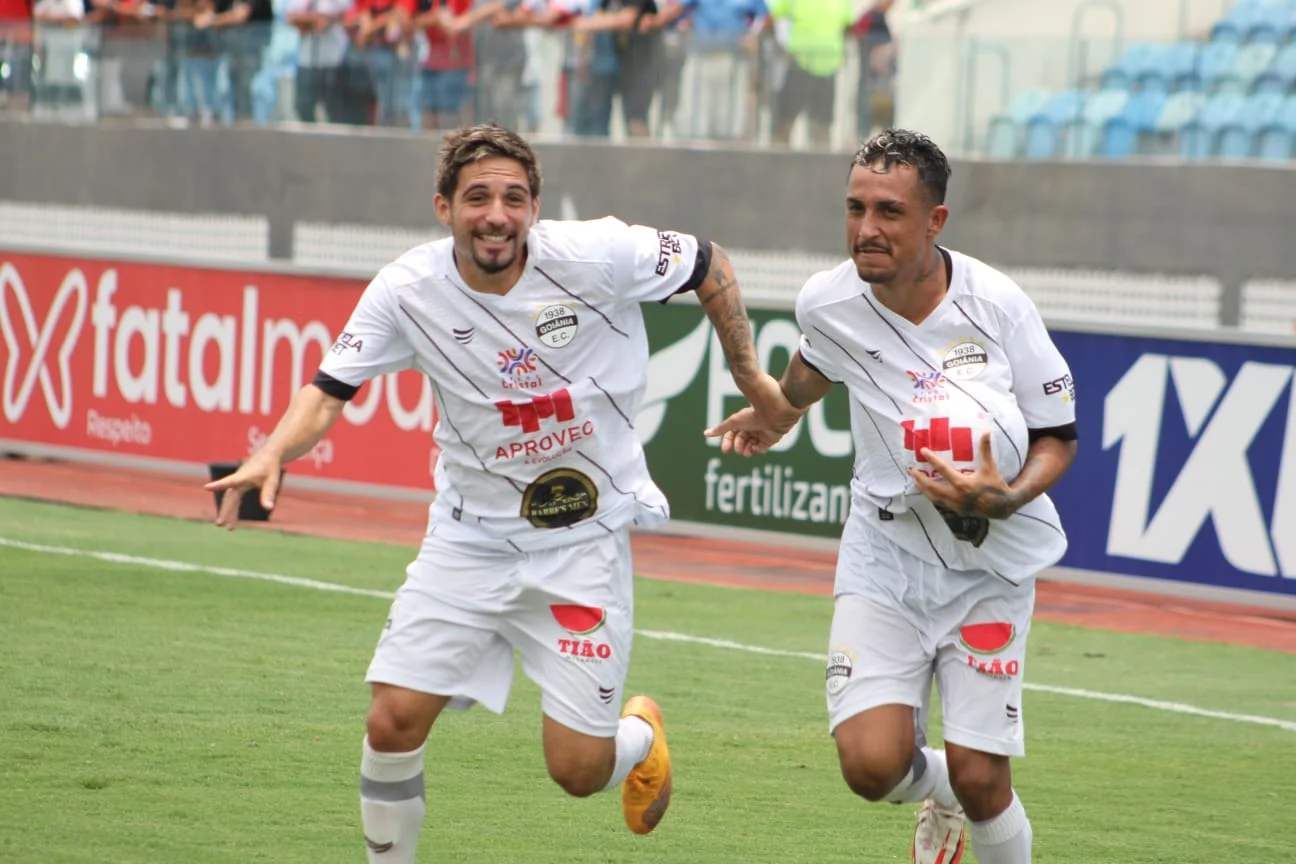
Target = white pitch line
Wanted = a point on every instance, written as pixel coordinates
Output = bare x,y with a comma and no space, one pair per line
665,636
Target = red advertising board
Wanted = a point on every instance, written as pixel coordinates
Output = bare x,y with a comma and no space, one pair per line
192,365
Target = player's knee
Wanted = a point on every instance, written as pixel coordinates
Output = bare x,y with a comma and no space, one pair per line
391,730
579,778
980,778
871,772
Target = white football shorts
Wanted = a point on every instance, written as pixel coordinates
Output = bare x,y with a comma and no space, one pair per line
465,607
899,622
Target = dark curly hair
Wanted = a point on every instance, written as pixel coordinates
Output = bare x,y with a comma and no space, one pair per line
459,147
903,147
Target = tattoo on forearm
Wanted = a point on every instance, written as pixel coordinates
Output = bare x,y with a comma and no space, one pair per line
988,501
719,296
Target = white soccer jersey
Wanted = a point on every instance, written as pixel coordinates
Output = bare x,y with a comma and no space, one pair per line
537,390
982,361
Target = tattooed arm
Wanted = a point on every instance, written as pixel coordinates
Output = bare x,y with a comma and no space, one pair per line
722,301
986,493
802,384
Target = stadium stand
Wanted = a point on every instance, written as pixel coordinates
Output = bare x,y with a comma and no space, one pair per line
1229,95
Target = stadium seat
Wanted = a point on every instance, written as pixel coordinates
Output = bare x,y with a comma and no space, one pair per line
1217,61
1123,132
1119,140
1141,61
1003,138
1281,72
1239,139
1240,21
1251,61
1179,109
1182,61
1198,137
1275,139
1004,134
1268,23
1041,138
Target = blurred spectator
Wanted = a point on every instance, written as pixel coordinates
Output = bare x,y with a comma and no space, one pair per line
503,61
63,85
446,73
625,61
812,36
205,101
383,40
15,53
320,55
722,40
875,105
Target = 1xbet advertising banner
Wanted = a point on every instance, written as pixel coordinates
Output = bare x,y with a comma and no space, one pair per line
1187,465
192,365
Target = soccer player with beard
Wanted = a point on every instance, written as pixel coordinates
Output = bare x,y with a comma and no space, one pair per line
532,334
962,415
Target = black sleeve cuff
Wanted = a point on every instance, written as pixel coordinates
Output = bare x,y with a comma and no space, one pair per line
815,369
333,387
701,267
1062,433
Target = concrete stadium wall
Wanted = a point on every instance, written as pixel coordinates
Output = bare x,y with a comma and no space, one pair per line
1227,221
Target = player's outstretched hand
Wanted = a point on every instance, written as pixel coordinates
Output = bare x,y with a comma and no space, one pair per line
983,493
757,428
262,472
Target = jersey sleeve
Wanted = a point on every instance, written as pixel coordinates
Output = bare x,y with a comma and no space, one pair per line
812,347
648,264
372,343
1042,379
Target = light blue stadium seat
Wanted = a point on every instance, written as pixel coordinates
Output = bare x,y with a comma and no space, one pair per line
1245,16
1137,62
1281,72
1217,61
1004,134
1179,110
1277,138
1198,138
1041,138
1122,133
1268,22
1251,61
1240,139
1182,61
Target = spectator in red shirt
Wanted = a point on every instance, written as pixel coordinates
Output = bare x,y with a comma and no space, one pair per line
446,75
15,53
383,36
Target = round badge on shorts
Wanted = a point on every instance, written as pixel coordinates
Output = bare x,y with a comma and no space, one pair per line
839,672
559,498
965,359
556,325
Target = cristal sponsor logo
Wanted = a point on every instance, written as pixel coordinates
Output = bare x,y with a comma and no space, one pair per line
528,415
928,386
28,346
518,368
163,354
669,248
1221,420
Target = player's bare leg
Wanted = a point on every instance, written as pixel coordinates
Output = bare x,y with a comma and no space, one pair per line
998,828
880,762
391,771
636,759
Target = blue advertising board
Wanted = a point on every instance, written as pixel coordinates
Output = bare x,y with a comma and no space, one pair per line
1187,463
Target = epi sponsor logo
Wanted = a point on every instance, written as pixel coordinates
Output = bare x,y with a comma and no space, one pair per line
528,414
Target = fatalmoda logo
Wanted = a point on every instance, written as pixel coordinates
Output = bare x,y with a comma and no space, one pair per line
28,347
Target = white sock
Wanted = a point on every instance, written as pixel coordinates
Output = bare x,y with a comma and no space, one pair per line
391,804
633,740
1005,839
928,777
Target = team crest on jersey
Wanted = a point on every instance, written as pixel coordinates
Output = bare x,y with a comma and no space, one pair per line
928,386
964,359
517,367
556,325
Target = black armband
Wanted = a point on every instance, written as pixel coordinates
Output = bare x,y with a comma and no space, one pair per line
701,267
333,387
1062,433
